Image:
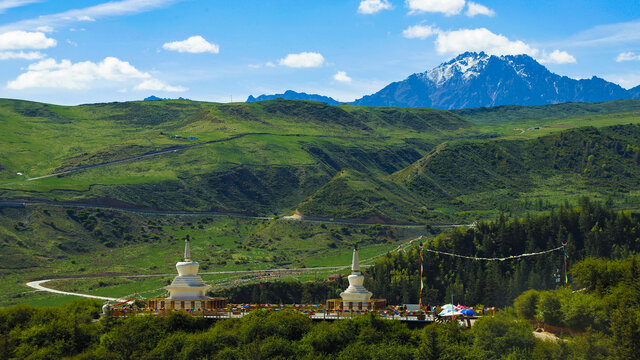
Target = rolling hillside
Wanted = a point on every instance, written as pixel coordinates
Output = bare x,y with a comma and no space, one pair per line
277,156
557,167
256,158
516,114
370,165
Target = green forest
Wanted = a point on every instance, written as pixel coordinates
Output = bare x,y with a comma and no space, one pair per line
598,316
602,322
592,230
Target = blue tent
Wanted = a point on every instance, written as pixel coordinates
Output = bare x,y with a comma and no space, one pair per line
467,312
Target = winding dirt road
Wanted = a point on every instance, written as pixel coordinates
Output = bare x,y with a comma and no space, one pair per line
38,286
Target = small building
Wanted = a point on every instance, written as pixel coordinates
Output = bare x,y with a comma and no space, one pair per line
356,297
187,290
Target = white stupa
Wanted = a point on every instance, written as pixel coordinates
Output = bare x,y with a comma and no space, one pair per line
187,285
355,293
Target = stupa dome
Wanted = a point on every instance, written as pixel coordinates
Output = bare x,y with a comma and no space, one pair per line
188,284
356,291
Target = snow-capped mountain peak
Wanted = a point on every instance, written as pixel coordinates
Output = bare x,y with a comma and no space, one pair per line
467,66
478,79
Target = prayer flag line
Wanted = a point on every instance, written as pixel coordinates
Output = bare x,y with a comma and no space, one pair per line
496,258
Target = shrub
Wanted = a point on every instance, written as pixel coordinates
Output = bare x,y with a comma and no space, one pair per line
527,304
501,335
581,311
550,309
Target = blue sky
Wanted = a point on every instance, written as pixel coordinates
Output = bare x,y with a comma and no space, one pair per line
72,52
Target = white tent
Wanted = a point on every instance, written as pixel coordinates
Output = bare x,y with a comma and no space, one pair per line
448,307
449,313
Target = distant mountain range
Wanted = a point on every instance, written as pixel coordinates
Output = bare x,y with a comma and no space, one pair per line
155,98
479,80
292,95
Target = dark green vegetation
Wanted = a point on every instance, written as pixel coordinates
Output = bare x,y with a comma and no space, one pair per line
592,230
69,332
285,292
606,312
602,321
557,167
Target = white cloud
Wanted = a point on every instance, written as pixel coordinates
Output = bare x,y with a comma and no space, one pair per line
46,29
49,73
373,6
72,43
111,8
447,7
627,56
341,76
481,39
303,60
419,31
85,18
474,9
194,44
557,57
258,66
17,40
31,55
9,4
157,85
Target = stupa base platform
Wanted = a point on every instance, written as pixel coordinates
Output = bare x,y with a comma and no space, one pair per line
210,304
372,304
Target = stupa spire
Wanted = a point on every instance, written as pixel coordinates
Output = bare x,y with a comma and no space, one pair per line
355,293
187,250
355,262
187,285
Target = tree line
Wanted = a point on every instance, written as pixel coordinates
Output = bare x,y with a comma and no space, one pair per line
592,229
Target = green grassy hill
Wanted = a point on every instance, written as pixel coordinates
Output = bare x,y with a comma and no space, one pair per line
384,165
363,197
504,174
273,157
524,114
43,242
259,158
